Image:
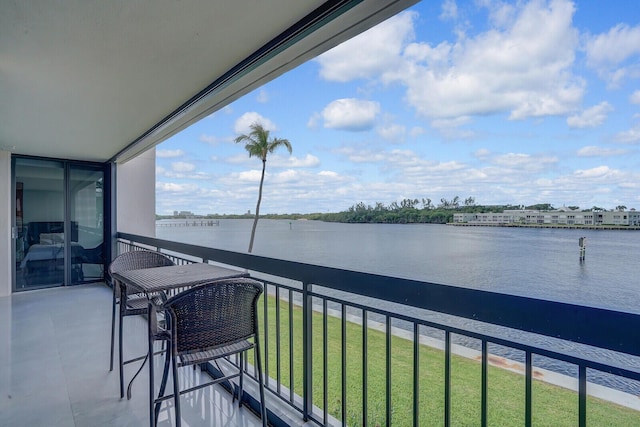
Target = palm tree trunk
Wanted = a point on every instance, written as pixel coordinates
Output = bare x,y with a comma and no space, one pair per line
255,220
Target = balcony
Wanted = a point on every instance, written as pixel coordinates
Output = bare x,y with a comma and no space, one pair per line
430,354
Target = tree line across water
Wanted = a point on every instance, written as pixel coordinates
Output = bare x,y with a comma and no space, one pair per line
407,211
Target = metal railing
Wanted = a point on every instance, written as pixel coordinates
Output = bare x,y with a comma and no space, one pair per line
316,315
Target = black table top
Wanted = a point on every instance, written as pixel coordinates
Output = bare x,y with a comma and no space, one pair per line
156,279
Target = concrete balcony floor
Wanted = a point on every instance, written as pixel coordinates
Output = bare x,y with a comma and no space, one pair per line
54,367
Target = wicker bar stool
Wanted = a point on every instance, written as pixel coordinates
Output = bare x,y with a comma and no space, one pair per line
130,304
208,322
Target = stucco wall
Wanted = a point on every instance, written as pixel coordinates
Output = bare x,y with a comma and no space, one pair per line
136,195
5,223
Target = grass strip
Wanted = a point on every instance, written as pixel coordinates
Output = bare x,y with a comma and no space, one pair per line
552,405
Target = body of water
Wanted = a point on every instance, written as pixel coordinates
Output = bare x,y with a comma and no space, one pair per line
538,263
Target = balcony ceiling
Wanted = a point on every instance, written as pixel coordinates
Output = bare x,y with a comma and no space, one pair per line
104,80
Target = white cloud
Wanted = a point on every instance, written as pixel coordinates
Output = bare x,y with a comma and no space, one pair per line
482,153
591,117
392,132
522,65
523,68
243,123
314,120
524,162
286,176
450,127
416,131
250,176
500,14
307,161
369,53
330,174
449,10
448,166
182,170
169,153
183,167
350,114
596,151
635,97
631,136
240,158
172,187
397,174
450,123
358,155
597,172
291,190
607,53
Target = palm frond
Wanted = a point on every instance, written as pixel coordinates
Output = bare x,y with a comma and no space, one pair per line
279,142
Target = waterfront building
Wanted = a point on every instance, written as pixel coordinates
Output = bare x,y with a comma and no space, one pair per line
554,217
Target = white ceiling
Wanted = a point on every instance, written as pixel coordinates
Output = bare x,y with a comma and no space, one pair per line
99,80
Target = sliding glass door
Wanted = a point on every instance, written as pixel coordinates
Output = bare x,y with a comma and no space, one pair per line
59,223
39,249
86,209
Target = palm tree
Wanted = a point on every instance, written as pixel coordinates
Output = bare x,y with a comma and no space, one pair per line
257,143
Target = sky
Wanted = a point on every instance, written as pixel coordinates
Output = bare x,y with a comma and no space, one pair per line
515,103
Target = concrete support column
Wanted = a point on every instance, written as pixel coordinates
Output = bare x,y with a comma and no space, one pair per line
6,242
136,195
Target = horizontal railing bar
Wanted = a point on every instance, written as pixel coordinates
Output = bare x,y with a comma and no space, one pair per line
587,325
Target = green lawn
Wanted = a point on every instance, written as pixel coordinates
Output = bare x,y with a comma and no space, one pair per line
552,406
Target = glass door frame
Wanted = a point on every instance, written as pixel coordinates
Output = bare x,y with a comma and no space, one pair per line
107,225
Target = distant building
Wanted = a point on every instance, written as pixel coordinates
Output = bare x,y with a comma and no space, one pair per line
560,217
184,214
